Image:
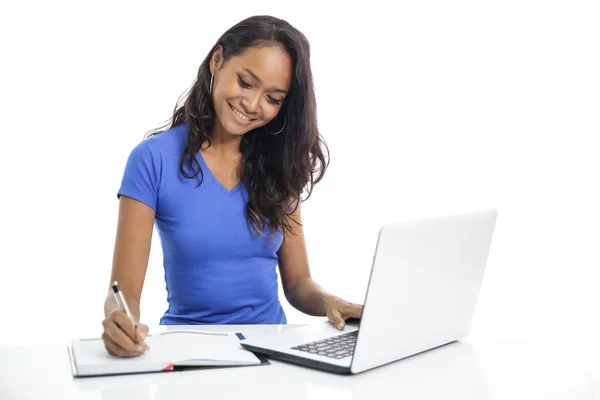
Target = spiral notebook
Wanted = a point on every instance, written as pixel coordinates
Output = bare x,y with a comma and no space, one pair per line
169,350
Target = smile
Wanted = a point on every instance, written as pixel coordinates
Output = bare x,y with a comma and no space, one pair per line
240,114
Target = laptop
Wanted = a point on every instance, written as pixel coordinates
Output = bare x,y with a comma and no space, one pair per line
422,292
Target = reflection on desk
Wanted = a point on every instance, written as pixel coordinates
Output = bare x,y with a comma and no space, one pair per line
449,372
513,370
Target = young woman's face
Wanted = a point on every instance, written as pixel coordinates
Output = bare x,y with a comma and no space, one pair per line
248,90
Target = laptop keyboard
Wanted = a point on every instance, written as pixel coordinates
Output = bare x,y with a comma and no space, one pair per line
335,347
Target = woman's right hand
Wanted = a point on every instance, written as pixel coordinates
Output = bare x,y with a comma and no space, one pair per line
121,337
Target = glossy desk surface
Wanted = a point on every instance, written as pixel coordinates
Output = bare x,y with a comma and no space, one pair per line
465,370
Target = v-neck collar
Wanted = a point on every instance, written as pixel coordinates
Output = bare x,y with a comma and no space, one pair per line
212,177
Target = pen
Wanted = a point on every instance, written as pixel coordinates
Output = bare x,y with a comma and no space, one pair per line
121,300
124,307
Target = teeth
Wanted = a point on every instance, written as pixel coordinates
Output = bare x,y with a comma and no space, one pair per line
239,114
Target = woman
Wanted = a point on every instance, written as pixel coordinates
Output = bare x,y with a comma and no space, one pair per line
223,185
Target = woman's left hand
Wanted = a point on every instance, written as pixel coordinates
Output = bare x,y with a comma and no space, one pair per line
339,310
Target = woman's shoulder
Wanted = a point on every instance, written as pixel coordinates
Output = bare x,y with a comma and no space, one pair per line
173,137
167,142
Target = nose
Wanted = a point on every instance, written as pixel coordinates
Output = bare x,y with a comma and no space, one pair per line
251,103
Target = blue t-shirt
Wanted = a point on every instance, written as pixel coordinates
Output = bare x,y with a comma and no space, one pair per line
216,270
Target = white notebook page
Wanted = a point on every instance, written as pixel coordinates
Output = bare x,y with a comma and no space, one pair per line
92,352
192,345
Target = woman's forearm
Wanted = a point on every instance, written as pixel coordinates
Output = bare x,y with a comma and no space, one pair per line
308,297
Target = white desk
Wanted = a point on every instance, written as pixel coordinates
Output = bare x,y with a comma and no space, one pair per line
463,370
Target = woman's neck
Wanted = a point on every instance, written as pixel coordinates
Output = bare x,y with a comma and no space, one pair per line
224,145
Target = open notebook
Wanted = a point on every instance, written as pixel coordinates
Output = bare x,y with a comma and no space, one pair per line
168,350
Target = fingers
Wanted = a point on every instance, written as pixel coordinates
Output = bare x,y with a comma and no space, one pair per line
351,310
114,349
113,331
120,335
140,336
340,312
140,333
124,322
336,318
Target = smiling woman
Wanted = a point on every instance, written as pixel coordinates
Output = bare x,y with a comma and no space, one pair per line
253,100
249,125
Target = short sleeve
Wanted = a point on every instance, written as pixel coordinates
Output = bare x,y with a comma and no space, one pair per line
142,175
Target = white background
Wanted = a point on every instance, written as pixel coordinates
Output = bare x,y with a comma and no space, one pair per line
428,108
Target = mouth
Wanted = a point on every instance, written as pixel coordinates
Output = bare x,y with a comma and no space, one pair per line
240,114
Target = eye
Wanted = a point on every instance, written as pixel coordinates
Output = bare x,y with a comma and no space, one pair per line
243,83
274,101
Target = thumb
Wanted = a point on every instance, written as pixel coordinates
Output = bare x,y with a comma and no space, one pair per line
336,319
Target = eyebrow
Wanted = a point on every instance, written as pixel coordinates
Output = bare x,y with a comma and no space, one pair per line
259,81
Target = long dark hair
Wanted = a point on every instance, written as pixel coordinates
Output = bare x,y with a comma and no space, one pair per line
275,169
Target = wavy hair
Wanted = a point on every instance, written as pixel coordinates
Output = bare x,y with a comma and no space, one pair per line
275,169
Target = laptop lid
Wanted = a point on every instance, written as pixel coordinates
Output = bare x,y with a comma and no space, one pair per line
424,283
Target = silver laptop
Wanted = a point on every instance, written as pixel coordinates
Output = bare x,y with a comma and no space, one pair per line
422,292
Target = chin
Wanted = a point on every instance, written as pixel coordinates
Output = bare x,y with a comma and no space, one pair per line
237,130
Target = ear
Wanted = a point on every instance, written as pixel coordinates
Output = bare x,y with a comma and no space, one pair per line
216,59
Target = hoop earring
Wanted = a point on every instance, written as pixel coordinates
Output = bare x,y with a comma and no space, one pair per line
211,81
279,131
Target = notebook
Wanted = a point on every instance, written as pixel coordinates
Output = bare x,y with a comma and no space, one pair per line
169,350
